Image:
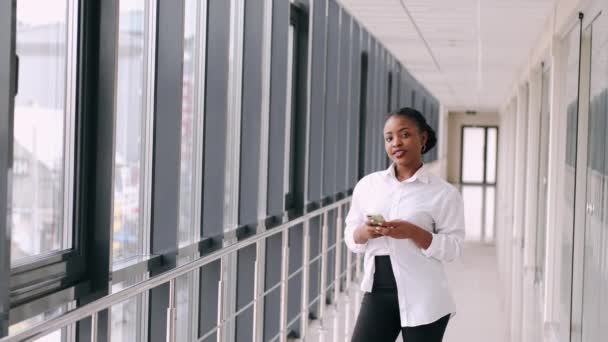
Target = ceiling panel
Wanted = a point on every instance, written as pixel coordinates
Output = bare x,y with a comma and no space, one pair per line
466,52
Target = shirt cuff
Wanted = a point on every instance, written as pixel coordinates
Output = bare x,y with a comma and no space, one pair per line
349,239
432,249
357,247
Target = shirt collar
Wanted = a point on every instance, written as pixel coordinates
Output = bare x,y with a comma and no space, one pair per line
421,175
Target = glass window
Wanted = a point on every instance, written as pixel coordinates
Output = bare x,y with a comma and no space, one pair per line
131,114
191,119
187,288
127,318
131,188
295,139
43,138
363,121
290,120
60,335
190,171
491,142
479,209
478,160
473,211
489,213
473,142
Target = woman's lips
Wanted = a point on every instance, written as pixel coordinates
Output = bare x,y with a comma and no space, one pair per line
399,153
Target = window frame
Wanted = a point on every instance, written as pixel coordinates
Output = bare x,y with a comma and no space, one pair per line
485,153
65,276
69,115
61,269
295,157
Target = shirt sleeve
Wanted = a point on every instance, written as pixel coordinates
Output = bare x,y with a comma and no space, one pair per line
450,230
354,219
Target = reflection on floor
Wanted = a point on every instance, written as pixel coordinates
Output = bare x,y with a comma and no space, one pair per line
474,283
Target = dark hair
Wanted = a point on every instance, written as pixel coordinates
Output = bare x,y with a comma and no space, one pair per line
418,118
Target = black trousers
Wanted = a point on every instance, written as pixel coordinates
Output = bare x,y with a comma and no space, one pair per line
379,318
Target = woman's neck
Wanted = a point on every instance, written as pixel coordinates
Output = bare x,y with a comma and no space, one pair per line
403,172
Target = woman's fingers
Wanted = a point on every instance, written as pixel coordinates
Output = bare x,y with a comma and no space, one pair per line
373,232
385,231
393,224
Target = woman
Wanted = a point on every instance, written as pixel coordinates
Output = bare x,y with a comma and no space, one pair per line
405,284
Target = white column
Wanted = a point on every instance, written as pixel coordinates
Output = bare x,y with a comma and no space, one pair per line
530,303
504,206
557,134
507,225
519,209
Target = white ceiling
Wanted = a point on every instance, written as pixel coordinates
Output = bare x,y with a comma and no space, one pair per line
468,53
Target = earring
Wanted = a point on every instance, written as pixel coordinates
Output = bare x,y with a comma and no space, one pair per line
423,147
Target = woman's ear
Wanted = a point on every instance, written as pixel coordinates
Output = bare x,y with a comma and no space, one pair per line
424,137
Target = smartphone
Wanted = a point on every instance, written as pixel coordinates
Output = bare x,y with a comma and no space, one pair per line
376,220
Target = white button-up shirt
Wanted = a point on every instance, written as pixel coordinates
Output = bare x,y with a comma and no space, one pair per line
428,202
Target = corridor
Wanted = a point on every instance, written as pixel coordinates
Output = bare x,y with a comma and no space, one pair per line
182,171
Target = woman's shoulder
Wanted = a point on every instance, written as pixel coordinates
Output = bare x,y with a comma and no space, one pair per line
368,180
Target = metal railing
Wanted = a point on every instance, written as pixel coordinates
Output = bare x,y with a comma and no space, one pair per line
94,308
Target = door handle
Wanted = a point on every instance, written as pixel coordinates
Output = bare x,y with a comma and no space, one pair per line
16,74
11,117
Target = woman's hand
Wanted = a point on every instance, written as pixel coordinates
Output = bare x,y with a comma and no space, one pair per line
397,229
400,229
365,232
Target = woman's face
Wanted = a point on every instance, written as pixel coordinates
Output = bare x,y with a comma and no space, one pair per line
403,140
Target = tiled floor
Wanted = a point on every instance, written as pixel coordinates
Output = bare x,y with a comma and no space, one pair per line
474,283
476,288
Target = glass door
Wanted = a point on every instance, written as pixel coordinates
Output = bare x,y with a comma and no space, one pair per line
595,275
543,174
571,47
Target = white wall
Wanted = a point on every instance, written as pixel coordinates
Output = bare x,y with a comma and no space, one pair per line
526,300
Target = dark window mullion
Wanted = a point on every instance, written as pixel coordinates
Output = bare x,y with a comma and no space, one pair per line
214,153
485,155
317,101
94,144
166,154
331,104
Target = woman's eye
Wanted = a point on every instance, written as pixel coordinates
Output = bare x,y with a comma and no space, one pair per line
405,135
388,139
